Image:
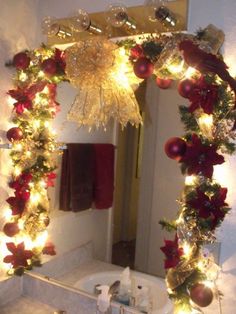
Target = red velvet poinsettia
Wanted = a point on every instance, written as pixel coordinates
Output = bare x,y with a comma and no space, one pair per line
49,179
210,207
172,253
49,249
19,255
17,205
22,181
25,96
203,95
21,186
206,62
136,52
200,158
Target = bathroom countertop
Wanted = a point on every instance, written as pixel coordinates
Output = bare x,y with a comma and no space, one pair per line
26,305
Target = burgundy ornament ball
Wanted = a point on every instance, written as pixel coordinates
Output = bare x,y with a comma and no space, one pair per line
21,61
143,68
10,229
14,134
163,83
201,295
175,148
185,87
49,66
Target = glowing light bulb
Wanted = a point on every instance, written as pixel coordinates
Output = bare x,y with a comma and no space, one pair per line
21,224
29,245
7,214
10,101
41,239
42,183
35,198
209,284
41,74
176,68
36,124
23,76
190,180
18,146
187,249
17,171
205,122
190,73
28,154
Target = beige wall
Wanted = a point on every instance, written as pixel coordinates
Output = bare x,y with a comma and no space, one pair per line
161,179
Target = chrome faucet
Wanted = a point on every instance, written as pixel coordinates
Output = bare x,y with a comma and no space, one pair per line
114,289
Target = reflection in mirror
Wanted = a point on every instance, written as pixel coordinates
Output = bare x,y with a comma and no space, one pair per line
128,234
95,245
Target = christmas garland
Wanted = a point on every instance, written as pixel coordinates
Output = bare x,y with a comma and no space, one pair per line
209,122
33,147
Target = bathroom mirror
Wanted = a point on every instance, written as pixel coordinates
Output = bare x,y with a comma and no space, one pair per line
146,185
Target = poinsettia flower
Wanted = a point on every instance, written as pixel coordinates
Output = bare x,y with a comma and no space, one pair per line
22,181
200,158
210,207
136,52
52,90
24,96
206,62
49,179
21,106
22,194
19,257
172,253
203,95
17,205
49,249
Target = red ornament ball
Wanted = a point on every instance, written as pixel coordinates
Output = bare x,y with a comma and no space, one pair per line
185,87
163,83
175,148
49,66
14,134
21,61
201,295
143,68
10,229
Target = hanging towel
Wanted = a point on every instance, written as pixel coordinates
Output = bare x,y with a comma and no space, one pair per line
77,177
104,175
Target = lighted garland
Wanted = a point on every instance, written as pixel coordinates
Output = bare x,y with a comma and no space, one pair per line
32,154
209,122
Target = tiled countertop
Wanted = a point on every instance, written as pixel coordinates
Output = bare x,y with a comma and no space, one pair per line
26,305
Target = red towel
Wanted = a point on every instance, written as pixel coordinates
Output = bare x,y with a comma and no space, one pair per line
104,175
77,177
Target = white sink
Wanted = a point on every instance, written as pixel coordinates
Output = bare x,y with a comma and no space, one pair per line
160,301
